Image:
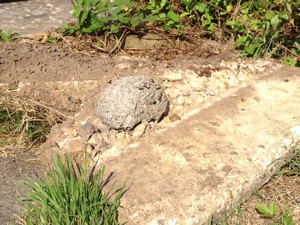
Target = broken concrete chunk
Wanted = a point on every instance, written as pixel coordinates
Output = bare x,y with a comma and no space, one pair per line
130,100
86,130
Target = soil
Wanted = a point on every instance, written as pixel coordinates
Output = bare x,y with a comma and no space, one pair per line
23,62
15,166
28,62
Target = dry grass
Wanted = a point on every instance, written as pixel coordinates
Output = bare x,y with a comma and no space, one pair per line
23,121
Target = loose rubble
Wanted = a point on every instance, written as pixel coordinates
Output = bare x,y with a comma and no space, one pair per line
186,90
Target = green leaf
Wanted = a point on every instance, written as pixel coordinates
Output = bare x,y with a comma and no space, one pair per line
230,22
135,21
229,8
151,19
168,25
76,10
263,210
201,7
141,16
122,17
275,21
266,211
83,16
184,14
163,3
284,16
273,208
115,28
187,3
269,15
101,10
252,48
288,220
173,16
211,27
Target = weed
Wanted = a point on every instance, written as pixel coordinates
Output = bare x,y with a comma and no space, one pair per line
293,168
267,211
53,39
70,194
7,36
271,211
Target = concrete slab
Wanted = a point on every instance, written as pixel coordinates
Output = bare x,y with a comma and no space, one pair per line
213,160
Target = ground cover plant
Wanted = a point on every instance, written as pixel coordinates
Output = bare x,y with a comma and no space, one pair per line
259,28
71,194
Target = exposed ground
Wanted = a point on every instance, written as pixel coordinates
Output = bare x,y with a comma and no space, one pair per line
40,63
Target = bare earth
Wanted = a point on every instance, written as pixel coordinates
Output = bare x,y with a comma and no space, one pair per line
38,64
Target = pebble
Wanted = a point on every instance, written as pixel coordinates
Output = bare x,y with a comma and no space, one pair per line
86,130
95,139
139,130
172,76
123,66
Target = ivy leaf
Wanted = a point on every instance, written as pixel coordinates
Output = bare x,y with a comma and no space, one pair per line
252,48
201,7
275,21
173,16
269,15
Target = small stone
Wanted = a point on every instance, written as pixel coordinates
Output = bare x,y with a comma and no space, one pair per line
139,130
61,140
184,88
181,100
95,139
74,145
69,131
174,117
86,130
173,93
134,145
88,149
123,66
197,83
172,76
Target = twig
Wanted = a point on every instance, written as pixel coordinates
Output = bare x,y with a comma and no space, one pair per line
119,41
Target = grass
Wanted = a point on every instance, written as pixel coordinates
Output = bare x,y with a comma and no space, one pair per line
24,119
275,203
70,194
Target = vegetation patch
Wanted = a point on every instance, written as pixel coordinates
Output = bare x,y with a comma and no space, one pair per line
70,194
259,28
25,119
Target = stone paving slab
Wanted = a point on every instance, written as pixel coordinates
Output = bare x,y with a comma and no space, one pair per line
212,161
32,16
